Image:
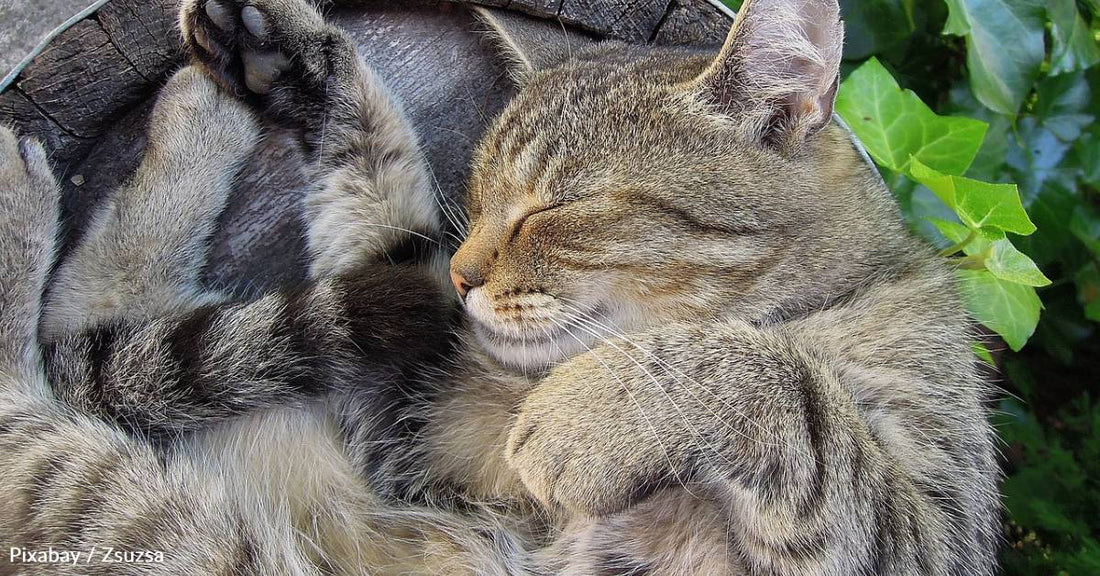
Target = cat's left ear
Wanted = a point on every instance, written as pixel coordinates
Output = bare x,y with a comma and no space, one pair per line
779,69
529,44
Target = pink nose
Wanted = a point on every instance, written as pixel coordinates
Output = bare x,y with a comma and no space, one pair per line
461,284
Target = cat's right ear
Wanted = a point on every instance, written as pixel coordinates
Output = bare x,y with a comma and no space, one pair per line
529,44
779,69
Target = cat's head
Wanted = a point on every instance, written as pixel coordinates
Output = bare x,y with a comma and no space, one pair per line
625,186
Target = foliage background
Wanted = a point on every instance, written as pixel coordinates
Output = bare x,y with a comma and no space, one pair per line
983,117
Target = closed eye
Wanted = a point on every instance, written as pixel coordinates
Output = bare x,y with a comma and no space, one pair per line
523,219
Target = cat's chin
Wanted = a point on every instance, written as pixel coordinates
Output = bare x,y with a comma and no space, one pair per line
531,352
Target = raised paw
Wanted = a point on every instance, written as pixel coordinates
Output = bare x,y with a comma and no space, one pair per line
25,176
583,447
279,54
29,198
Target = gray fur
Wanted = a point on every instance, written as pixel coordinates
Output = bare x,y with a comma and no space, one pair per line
744,363
271,491
699,339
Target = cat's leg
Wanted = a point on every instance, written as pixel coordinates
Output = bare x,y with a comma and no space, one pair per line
826,464
75,484
373,199
132,336
28,228
673,533
144,250
126,313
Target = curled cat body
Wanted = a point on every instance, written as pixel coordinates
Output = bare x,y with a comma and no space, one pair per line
697,337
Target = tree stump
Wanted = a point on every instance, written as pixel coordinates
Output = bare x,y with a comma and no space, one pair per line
88,94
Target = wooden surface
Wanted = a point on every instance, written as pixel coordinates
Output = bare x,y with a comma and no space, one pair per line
88,96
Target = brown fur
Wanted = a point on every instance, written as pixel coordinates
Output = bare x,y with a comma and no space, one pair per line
699,338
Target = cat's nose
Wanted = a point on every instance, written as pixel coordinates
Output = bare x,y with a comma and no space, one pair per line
465,280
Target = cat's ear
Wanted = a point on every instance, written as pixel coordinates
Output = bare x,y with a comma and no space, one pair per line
529,44
779,69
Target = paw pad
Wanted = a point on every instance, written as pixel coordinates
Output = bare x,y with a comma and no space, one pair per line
220,15
279,55
254,21
231,32
261,69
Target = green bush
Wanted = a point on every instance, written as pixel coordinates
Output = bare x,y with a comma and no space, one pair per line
982,117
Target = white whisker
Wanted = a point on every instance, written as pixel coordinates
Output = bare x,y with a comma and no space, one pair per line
668,457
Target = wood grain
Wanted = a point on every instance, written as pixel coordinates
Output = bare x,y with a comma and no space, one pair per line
82,79
141,32
629,20
692,23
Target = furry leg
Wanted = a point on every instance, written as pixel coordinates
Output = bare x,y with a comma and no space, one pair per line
28,227
143,253
374,200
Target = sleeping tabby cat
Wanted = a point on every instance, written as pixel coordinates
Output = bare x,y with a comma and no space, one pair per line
698,337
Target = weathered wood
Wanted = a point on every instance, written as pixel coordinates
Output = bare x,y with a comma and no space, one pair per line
692,23
491,3
88,97
684,22
629,20
143,35
17,110
543,8
82,80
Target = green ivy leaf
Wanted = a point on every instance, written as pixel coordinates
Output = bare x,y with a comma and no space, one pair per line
873,26
1087,150
1007,308
1063,103
1036,157
978,204
1074,47
957,233
1092,310
894,125
953,231
1008,263
1085,225
1004,48
1087,280
996,253
983,353
957,23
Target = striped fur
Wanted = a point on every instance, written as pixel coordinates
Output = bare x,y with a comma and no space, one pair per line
698,337
733,357
178,374
166,419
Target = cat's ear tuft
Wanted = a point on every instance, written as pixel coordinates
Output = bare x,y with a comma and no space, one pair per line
529,44
779,69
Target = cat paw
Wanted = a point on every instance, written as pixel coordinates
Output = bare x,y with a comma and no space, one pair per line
29,211
24,170
279,54
573,452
